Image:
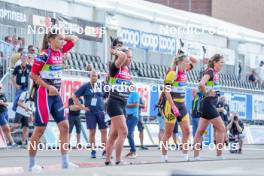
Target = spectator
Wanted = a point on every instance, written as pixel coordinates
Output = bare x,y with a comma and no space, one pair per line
21,78
16,43
74,119
224,111
24,115
260,72
140,125
132,116
21,42
16,56
239,70
89,67
31,50
236,128
30,59
8,39
94,106
194,113
4,117
253,77
1,58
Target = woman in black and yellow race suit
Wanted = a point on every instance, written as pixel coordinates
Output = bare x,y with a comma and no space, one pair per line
175,109
210,89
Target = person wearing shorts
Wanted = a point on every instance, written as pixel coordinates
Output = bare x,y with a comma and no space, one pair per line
120,81
24,115
93,94
175,109
4,118
210,91
47,71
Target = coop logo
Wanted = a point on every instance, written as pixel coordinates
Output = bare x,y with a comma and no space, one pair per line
148,41
130,37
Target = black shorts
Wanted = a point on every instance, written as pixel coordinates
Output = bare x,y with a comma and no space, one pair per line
116,107
21,119
140,126
74,121
208,108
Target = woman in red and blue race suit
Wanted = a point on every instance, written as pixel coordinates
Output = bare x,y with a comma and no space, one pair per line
47,73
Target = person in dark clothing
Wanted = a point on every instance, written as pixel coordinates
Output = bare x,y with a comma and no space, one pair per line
194,113
223,109
4,117
20,78
236,127
74,119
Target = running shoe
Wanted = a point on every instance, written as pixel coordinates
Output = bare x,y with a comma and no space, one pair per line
35,169
70,166
93,154
164,159
143,148
131,155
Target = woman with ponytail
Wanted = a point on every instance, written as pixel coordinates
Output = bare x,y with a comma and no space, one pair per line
47,74
210,89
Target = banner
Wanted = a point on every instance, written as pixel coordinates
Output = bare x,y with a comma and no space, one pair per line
258,107
239,103
84,29
37,21
148,41
256,134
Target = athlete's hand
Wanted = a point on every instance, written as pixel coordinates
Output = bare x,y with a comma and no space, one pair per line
53,91
175,110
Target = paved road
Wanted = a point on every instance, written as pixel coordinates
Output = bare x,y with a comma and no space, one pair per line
14,162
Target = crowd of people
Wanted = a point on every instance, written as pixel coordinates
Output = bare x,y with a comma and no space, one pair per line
118,109
257,75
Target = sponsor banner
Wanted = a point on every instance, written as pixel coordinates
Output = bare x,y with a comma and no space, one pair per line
37,21
258,107
148,41
82,28
238,103
256,134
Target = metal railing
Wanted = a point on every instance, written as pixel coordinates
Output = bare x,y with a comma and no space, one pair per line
5,61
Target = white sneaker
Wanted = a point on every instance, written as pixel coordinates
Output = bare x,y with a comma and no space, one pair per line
71,166
164,159
35,169
185,157
197,158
